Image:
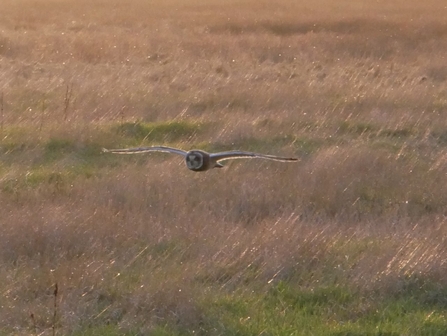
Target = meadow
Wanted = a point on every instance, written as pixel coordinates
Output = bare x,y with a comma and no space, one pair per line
349,240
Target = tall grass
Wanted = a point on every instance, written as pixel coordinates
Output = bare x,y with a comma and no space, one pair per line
349,240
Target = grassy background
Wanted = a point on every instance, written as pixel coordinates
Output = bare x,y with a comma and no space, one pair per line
348,241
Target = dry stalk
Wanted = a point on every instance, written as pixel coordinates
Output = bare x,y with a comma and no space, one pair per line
42,114
67,99
122,114
55,309
2,113
33,321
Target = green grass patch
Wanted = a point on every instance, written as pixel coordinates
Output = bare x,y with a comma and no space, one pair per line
440,136
356,128
251,144
308,146
323,310
115,330
106,330
396,133
57,146
50,177
78,157
300,145
158,131
16,139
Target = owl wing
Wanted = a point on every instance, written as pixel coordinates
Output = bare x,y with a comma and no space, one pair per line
146,150
248,155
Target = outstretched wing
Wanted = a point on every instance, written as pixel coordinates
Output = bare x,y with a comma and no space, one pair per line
146,150
248,155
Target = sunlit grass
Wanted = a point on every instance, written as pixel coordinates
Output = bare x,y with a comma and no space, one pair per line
349,240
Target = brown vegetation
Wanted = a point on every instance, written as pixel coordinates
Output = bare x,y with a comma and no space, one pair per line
357,91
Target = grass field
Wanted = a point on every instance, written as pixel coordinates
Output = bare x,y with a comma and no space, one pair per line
350,240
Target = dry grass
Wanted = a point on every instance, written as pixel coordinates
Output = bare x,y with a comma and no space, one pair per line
358,91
